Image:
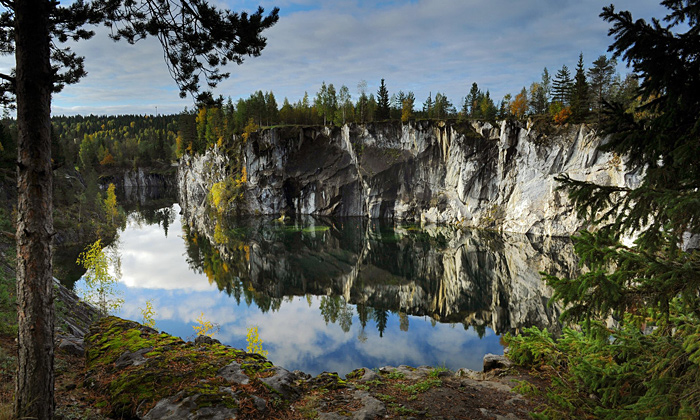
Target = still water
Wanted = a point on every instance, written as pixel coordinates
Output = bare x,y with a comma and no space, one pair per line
335,295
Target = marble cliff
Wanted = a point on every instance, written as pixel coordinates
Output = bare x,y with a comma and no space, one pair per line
471,174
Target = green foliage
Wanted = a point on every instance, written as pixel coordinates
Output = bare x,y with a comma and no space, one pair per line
647,366
562,86
123,141
326,102
254,342
395,374
580,94
612,374
382,111
419,387
100,286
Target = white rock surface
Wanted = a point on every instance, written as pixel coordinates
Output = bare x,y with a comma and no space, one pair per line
480,175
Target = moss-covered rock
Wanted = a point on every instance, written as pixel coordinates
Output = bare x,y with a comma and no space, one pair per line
145,373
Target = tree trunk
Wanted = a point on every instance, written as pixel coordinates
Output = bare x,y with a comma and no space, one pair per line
34,392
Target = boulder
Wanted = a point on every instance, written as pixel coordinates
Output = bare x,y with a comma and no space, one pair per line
493,361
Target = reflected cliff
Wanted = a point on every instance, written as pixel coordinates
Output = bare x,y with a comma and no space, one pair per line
476,278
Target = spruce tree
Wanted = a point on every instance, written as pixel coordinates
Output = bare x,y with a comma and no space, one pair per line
601,77
382,111
648,366
579,93
471,102
428,106
561,86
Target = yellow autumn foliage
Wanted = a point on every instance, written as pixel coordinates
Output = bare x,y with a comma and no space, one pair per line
225,192
254,342
204,326
148,313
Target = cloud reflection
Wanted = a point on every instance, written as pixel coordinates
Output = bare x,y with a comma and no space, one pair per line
296,335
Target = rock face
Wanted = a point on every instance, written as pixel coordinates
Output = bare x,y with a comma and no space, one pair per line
73,320
434,172
141,178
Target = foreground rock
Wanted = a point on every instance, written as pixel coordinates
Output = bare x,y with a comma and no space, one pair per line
150,375
74,318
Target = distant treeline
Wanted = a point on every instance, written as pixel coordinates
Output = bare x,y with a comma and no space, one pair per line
564,98
102,142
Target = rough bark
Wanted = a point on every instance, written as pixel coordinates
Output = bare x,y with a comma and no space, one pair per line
34,397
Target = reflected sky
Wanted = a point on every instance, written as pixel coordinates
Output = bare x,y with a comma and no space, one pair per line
154,267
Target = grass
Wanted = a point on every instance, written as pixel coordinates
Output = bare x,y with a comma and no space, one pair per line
420,387
8,310
395,375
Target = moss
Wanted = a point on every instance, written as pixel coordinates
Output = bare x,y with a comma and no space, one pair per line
355,374
327,381
171,366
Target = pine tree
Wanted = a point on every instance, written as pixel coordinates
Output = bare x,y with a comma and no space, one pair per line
562,85
601,76
648,366
382,111
579,93
197,40
442,108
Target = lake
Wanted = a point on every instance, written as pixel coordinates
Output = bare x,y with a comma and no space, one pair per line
338,294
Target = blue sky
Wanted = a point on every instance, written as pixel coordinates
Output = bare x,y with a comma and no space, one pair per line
421,46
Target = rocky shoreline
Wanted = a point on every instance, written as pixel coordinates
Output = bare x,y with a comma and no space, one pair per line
133,371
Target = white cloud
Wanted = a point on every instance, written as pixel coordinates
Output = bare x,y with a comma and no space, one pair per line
424,46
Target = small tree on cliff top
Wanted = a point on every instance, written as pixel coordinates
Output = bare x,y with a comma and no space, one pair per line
197,40
383,110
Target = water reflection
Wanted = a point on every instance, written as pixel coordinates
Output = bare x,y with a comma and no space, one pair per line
477,278
338,294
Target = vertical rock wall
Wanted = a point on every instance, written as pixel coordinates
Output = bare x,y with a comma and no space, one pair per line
475,174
